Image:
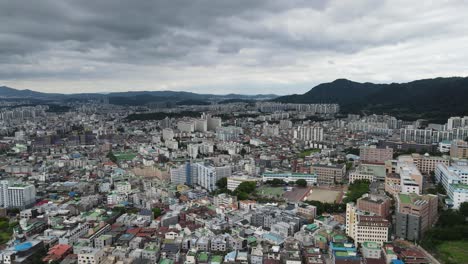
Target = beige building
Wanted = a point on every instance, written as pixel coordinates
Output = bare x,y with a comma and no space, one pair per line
392,183
307,211
329,174
459,149
363,227
424,206
376,204
374,154
366,171
89,255
426,163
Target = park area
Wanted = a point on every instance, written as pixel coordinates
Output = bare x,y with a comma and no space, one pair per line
273,192
6,229
125,156
453,252
324,195
308,152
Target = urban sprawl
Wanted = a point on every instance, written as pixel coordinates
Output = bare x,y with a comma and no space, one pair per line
242,182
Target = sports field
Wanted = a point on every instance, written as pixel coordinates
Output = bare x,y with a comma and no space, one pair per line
324,196
125,155
271,191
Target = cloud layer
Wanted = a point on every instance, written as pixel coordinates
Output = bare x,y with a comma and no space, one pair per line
227,46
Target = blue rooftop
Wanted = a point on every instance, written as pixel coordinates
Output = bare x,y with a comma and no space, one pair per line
24,246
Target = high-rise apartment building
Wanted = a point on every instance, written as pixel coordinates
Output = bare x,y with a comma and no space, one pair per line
17,195
208,175
308,133
185,174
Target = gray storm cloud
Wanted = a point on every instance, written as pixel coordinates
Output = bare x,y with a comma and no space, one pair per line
255,46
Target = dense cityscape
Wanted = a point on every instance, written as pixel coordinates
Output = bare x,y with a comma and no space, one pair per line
242,182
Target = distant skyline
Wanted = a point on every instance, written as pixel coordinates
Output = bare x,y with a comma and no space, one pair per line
224,46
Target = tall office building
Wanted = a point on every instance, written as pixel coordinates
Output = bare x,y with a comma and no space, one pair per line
17,195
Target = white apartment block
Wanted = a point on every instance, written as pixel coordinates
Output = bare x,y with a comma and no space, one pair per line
455,181
17,195
186,126
123,187
208,175
411,177
168,134
308,133
228,133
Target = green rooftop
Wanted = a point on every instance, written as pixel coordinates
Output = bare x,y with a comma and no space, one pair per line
166,261
251,239
404,198
342,253
339,237
370,245
151,247
203,256
216,259
460,186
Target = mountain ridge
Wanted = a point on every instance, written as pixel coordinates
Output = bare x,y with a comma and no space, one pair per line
9,92
433,99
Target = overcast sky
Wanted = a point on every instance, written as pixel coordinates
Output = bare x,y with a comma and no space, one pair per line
227,46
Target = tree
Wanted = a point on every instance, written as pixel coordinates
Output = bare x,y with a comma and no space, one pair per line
247,187
157,212
112,157
244,190
450,218
222,183
464,209
440,189
242,196
356,190
243,152
276,182
301,183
